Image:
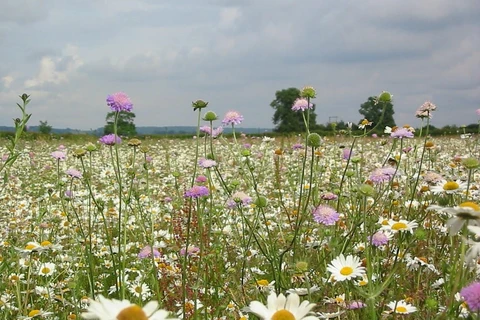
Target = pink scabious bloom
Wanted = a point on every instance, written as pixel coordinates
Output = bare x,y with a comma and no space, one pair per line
207,130
191,251
380,175
356,305
74,173
197,192
329,196
401,133
423,114
471,295
239,198
59,155
110,139
325,215
301,104
147,252
427,106
232,118
347,153
207,163
201,179
297,146
478,112
380,238
119,101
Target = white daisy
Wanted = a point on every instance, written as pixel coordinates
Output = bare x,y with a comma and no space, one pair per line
465,212
46,269
400,225
281,307
345,268
106,309
401,307
449,187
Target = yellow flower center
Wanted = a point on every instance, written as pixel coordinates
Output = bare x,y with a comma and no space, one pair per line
262,282
399,226
471,205
345,271
133,312
33,313
30,247
451,185
45,270
362,283
364,122
401,309
45,243
283,315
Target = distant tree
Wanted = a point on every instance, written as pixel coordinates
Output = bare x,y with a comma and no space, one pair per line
372,111
125,124
285,119
44,127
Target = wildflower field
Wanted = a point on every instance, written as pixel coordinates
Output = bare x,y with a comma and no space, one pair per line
216,227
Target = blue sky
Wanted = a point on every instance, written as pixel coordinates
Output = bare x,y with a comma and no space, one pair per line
236,54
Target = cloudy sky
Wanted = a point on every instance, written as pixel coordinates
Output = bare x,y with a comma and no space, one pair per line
236,54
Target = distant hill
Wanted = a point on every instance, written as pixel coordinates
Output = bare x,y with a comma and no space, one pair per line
143,130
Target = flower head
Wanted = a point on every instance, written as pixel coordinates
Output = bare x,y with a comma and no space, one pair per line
380,238
74,173
197,192
401,307
401,133
147,252
119,101
110,139
232,118
427,106
346,268
325,215
471,295
59,155
104,309
282,308
301,104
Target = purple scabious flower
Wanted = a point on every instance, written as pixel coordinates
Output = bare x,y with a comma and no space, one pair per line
239,198
380,175
247,145
297,146
197,192
356,305
119,101
191,251
427,106
401,133
347,153
147,252
74,173
207,130
232,118
329,196
379,239
301,104
59,155
110,139
207,163
325,215
201,179
471,295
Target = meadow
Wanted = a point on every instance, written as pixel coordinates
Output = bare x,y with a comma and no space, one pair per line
363,227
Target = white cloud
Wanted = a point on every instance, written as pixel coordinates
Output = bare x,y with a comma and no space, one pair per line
229,16
56,70
7,81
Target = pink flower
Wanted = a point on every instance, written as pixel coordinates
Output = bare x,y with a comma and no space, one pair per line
301,104
119,101
232,118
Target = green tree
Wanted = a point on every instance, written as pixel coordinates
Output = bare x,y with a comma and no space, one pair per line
44,127
372,111
125,124
284,118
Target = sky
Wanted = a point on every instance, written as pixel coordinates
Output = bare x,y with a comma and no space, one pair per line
235,54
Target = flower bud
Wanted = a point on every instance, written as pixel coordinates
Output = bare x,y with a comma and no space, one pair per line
199,104
471,163
308,92
314,140
210,116
366,190
385,96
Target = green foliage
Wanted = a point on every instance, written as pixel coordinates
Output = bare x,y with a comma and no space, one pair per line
372,111
125,124
44,127
285,119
